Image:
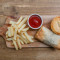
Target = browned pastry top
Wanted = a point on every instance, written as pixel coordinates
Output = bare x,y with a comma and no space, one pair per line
55,25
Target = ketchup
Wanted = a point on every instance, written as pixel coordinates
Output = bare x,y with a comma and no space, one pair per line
35,21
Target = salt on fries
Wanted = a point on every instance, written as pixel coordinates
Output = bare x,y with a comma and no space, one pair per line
17,33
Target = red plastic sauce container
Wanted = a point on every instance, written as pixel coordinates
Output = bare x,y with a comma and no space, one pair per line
35,21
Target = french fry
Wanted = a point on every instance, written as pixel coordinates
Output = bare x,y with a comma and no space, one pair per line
26,29
9,39
20,19
15,44
12,23
18,41
21,42
15,27
19,30
28,37
23,39
9,32
22,34
22,22
15,34
12,31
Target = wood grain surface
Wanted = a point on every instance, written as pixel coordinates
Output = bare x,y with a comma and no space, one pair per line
27,7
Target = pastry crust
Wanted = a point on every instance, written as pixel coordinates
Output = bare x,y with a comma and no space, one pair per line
48,37
40,34
55,25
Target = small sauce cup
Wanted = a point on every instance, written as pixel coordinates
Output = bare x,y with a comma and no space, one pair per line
35,21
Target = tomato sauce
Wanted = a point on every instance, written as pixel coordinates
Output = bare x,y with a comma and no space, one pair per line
35,21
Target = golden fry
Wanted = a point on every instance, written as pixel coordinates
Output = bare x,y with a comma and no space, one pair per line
15,44
9,32
18,33
28,37
15,34
18,42
22,22
9,39
12,31
21,28
12,23
20,19
25,29
23,39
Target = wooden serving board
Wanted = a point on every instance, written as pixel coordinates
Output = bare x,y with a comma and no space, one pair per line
46,22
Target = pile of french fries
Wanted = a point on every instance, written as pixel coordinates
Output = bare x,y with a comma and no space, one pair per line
17,33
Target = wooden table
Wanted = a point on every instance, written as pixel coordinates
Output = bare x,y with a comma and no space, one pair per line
27,7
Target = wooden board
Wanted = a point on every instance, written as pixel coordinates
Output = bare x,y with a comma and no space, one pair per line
46,22
27,7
